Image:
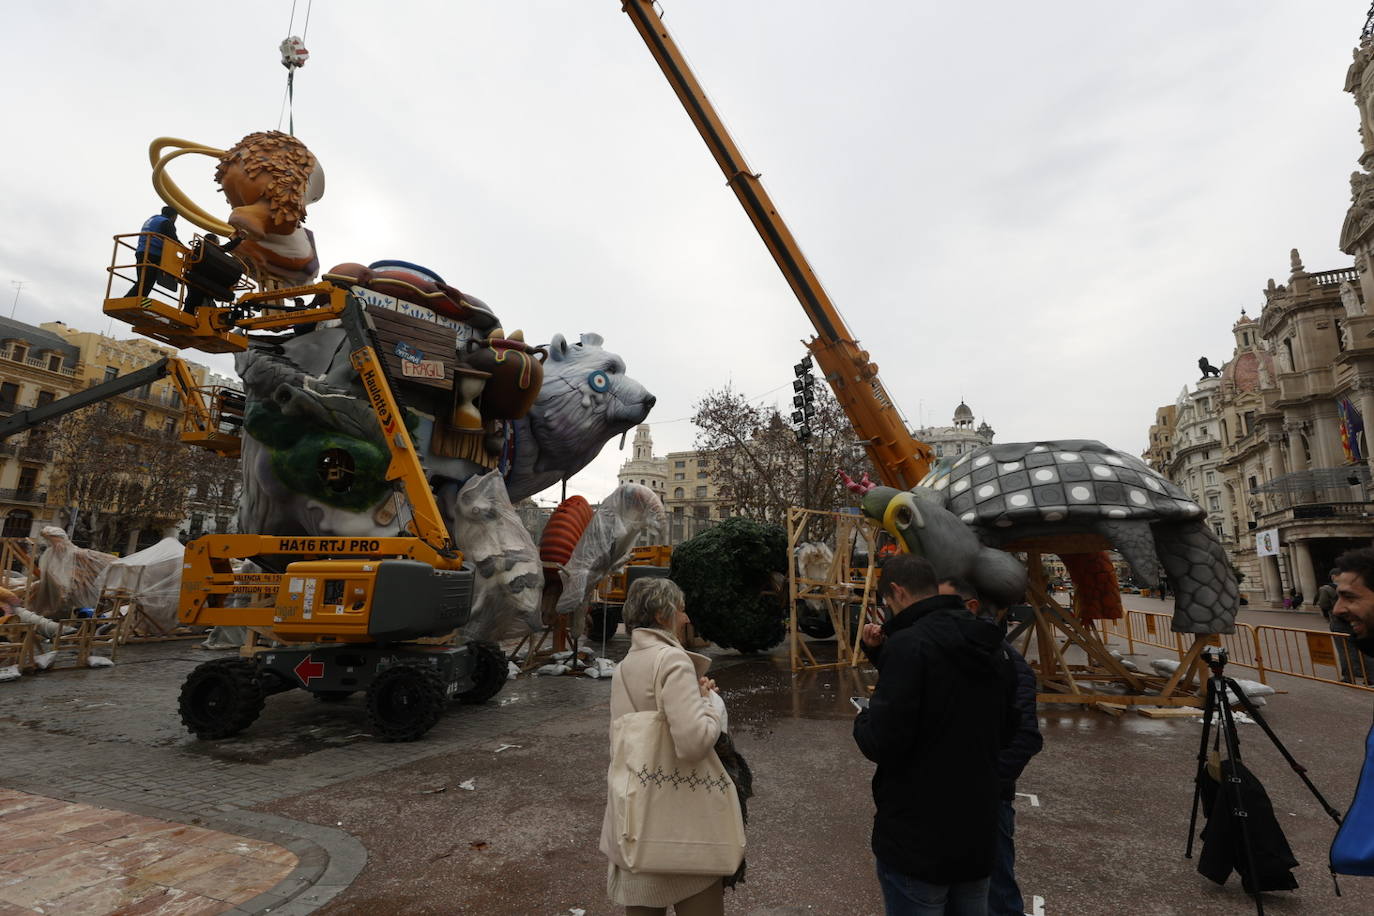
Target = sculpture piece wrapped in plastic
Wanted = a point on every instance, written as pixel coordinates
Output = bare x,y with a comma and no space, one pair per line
68,576
509,577
153,578
631,510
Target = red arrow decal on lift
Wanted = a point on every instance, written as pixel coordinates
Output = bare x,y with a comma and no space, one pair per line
308,670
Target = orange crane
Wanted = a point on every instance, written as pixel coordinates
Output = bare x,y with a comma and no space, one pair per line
901,459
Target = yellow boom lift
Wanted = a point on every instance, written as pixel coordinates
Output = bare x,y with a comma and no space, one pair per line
347,612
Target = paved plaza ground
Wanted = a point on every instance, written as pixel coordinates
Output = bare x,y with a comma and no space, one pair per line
352,825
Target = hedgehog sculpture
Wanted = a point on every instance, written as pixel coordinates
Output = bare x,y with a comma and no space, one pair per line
1043,490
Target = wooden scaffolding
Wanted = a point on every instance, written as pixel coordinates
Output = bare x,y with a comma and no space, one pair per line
848,592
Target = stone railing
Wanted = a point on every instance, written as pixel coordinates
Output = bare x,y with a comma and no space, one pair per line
37,362
1335,277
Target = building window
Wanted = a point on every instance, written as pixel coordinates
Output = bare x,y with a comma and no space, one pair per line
701,462
17,524
1211,477
939,451
679,464
9,395
111,372
679,493
680,475
1202,431
1214,503
28,480
722,512
702,511
171,427
701,475
1245,338
701,492
45,397
140,419
21,353
1221,533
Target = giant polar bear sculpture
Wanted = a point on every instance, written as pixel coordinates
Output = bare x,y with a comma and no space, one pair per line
306,412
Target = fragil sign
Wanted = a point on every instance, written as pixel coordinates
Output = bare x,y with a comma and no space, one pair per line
1267,542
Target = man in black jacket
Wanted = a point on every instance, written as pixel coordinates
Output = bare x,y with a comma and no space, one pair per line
1004,895
943,709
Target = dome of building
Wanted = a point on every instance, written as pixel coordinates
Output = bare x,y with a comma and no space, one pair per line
962,412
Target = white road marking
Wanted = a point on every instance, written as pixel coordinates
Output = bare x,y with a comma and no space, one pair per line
1037,906
1034,800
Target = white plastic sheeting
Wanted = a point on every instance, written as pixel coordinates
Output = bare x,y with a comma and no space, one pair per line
631,510
153,576
509,577
813,562
68,576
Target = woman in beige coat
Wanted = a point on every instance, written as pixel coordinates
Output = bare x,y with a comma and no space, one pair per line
696,717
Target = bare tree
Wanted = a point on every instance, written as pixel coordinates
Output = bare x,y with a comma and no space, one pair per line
758,466
114,475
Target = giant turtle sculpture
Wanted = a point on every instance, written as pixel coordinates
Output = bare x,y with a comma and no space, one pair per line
1011,493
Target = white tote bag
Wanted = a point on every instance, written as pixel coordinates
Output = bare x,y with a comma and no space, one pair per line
668,816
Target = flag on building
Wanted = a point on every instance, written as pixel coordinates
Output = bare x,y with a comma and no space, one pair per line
1352,425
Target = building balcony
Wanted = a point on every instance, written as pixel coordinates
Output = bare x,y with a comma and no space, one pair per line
30,496
37,362
1336,511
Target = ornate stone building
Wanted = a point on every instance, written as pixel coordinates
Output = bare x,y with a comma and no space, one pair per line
1161,448
681,480
953,441
1318,498
1197,449
1246,380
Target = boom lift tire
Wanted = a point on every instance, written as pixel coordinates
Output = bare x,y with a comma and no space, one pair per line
489,672
405,701
221,697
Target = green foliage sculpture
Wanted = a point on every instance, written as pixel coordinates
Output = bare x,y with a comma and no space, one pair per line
728,575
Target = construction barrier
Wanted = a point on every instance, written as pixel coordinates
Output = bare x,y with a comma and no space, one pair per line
1301,653
1292,651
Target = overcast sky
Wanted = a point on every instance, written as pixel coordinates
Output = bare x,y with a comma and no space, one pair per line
1047,209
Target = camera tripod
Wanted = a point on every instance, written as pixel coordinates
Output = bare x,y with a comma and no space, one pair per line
1218,708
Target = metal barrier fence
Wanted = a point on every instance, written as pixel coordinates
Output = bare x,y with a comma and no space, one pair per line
1281,650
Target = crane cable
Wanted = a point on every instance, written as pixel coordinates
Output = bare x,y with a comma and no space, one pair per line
293,57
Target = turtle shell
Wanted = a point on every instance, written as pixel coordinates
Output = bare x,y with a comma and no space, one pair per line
1069,480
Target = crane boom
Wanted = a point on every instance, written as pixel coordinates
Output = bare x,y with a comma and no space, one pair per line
900,459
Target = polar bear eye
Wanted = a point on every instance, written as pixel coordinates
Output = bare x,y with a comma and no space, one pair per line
598,381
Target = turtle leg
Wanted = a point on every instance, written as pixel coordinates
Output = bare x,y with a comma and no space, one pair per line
1136,543
1206,597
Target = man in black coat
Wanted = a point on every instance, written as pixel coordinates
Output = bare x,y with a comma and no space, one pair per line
1004,894
943,709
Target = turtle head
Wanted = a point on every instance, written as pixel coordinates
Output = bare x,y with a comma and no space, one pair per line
922,525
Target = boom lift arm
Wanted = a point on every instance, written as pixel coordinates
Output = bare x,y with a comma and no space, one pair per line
901,460
206,409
